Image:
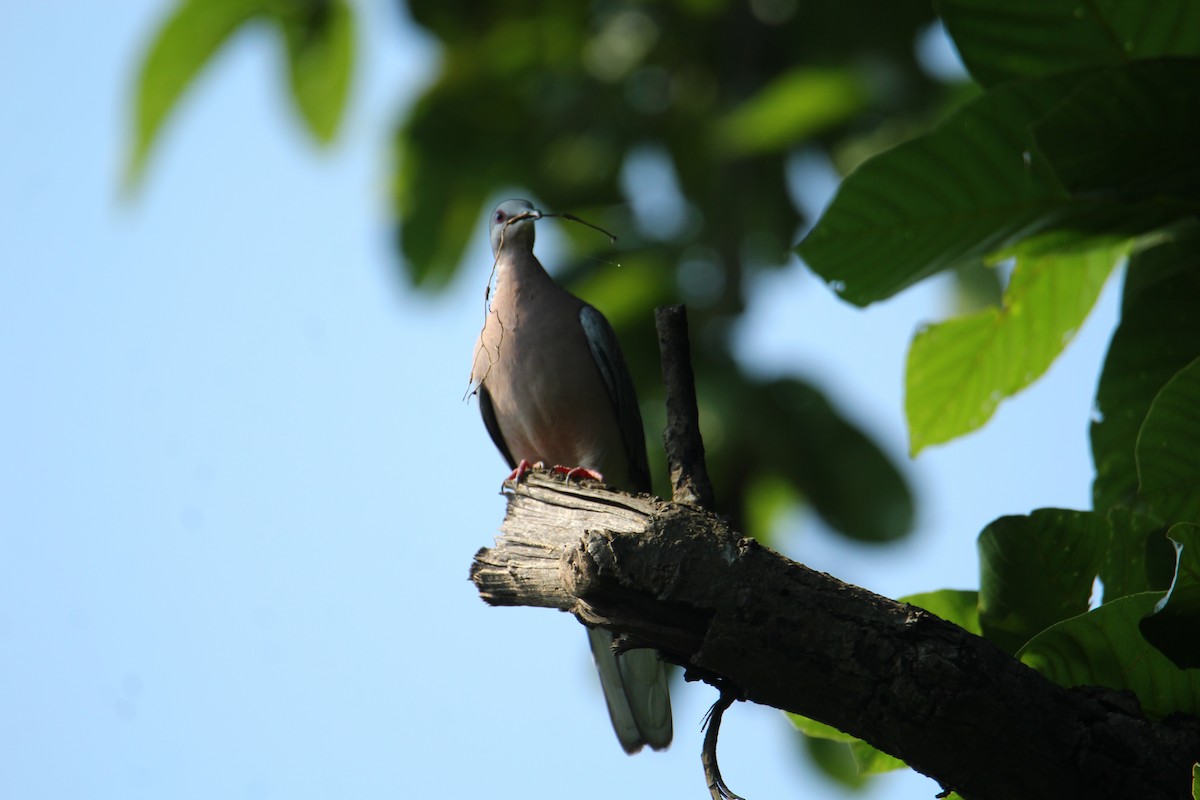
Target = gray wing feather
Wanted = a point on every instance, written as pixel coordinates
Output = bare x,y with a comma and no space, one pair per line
488,412
635,683
606,352
635,689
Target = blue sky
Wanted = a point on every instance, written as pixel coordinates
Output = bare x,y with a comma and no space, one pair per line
240,490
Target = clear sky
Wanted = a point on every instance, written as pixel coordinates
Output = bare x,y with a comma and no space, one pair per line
240,489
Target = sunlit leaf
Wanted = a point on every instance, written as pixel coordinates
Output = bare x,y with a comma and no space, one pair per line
768,499
1037,570
872,761
968,188
959,606
320,50
187,40
1173,626
1104,648
867,760
793,107
1157,336
817,730
1000,40
959,371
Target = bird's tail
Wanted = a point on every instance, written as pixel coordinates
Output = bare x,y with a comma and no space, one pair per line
635,689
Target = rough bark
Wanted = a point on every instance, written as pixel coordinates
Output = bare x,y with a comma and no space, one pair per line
949,703
681,439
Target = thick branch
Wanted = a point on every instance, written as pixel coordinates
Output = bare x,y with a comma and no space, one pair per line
948,703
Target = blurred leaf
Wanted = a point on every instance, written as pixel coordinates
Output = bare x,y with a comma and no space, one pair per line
320,49
1168,449
1130,131
1135,540
966,189
622,291
1104,648
836,760
1037,570
793,107
1196,781
959,370
872,761
768,499
852,484
1175,623
187,40
1001,40
1157,336
818,730
976,286
959,606
866,759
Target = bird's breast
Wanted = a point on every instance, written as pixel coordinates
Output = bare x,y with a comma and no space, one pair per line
550,401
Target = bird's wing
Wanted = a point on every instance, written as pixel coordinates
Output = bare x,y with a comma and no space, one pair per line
488,411
635,683
606,352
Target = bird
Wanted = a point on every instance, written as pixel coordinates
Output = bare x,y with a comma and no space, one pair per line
554,388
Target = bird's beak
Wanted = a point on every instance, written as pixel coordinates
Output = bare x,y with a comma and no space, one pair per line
532,213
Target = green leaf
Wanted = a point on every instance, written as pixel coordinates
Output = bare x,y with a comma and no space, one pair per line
867,759
835,760
797,105
769,498
959,606
817,730
1173,626
1135,540
187,40
1130,131
1157,336
1001,40
848,480
968,188
320,50
958,371
1036,571
1104,648
872,761
1168,449
1196,781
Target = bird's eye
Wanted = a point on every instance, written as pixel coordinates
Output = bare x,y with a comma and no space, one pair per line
499,216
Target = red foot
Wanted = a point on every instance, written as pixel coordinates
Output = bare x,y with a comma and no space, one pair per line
521,469
579,473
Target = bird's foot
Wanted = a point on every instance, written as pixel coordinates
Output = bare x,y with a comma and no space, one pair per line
579,473
523,468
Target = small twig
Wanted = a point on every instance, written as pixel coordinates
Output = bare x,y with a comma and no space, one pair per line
574,218
708,756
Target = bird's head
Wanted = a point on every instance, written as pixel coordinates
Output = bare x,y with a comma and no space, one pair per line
516,235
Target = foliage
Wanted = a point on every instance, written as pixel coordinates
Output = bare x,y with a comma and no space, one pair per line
1074,155
319,44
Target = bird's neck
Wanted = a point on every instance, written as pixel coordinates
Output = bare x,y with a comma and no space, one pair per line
519,275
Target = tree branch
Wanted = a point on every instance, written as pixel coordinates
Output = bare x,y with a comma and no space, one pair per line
681,438
948,703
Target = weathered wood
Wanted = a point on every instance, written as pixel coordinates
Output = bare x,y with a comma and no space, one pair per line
684,446
949,703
